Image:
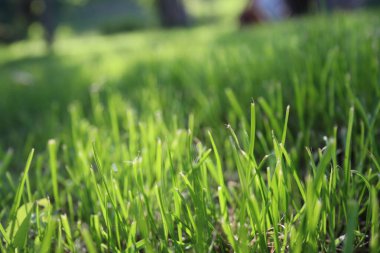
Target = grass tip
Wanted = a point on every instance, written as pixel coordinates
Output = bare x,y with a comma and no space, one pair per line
51,141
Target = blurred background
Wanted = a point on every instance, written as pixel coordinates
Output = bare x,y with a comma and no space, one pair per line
47,19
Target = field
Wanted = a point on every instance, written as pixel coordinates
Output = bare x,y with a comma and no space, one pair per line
210,139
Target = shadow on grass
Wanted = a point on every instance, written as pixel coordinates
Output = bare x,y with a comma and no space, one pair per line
34,96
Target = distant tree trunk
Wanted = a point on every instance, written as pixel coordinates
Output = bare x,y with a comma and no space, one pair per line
250,15
172,13
48,21
299,7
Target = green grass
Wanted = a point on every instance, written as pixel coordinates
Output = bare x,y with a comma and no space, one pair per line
211,139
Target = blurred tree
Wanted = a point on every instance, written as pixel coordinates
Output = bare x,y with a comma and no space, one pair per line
373,2
49,21
298,7
172,13
17,15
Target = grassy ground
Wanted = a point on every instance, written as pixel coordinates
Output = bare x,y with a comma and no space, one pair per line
211,139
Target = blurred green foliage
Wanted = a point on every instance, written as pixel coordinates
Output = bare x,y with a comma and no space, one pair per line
194,73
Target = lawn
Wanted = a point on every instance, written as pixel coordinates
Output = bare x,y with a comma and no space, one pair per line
209,139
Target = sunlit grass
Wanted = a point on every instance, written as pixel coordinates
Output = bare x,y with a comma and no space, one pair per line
206,140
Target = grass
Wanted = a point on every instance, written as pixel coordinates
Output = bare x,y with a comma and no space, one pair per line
206,140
